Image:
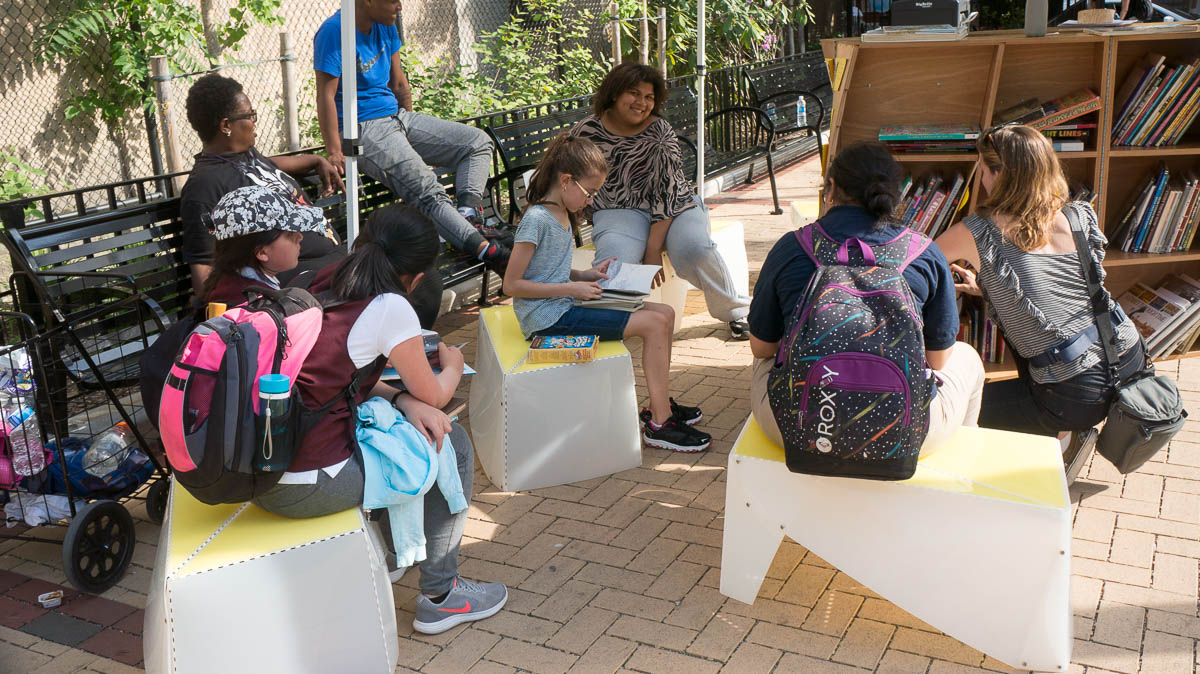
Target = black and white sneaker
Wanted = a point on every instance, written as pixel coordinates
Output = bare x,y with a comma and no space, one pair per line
675,436
685,414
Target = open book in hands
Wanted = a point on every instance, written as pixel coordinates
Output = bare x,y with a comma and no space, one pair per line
625,288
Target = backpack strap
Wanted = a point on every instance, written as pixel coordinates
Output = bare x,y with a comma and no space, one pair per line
804,236
917,243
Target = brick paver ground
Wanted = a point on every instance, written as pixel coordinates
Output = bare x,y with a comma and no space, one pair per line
621,573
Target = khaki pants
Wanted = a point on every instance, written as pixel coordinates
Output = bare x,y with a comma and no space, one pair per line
960,389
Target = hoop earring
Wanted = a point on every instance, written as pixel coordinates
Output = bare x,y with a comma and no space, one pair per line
228,132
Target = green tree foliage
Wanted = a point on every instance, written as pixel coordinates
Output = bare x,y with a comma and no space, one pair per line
110,42
18,180
738,31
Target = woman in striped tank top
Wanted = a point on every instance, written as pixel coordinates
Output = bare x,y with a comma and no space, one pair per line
1021,245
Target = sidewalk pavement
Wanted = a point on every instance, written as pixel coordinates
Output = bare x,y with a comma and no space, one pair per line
621,573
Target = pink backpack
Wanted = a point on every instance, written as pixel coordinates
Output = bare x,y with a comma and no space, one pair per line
210,399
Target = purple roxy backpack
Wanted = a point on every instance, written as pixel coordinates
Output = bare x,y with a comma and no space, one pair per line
850,388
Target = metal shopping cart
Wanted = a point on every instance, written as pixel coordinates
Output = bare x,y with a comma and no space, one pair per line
75,444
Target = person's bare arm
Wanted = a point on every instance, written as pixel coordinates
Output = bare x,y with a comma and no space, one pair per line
516,285
1124,9
761,349
200,274
958,244
655,243
399,83
307,164
327,86
938,359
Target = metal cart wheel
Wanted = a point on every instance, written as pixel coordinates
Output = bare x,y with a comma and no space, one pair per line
156,500
98,546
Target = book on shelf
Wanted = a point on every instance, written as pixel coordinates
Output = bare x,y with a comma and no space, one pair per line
1163,215
1022,113
1157,102
1066,108
563,349
928,205
1149,311
976,328
1180,289
1067,145
906,138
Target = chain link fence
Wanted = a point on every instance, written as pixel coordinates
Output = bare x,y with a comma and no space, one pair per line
56,153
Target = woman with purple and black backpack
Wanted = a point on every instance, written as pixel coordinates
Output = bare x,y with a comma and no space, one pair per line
861,193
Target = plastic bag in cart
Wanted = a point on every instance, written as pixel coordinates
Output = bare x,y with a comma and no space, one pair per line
131,474
36,509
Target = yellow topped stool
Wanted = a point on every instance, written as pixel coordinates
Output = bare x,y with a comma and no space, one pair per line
545,424
238,589
976,543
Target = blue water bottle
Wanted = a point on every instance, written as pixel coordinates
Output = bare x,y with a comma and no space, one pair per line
274,449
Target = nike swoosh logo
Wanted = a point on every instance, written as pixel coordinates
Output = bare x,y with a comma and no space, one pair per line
457,610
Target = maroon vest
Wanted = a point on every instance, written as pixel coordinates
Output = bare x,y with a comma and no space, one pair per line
324,376
230,287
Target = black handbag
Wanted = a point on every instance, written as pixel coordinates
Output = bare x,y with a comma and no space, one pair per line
1146,411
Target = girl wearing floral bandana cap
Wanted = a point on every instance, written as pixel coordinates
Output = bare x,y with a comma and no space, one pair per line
258,233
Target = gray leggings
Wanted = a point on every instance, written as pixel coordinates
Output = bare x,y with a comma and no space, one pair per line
443,529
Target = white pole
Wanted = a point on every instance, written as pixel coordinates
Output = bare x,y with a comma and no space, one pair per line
700,70
349,82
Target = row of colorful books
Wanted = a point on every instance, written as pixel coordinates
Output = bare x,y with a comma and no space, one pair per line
976,329
1157,102
1163,215
1168,317
928,205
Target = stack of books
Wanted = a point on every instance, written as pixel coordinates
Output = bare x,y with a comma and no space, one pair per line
931,33
1168,317
1057,119
1157,102
626,287
1163,215
930,137
984,335
928,205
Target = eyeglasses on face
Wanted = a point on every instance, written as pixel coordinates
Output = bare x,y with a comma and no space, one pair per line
252,116
589,195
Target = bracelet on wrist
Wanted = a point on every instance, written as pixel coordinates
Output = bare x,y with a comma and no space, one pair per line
395,397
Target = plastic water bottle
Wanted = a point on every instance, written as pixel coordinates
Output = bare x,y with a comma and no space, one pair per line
769,108
801,112
109,450
274,401
24,436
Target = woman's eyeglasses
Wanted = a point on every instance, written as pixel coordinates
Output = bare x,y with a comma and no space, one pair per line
252,116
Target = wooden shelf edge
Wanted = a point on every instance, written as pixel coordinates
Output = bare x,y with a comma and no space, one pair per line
999,371
1183,149
1122,259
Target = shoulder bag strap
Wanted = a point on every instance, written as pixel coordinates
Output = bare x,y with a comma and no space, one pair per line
1096,293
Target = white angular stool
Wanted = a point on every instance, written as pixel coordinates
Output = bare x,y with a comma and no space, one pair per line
540,425
238,589
977,543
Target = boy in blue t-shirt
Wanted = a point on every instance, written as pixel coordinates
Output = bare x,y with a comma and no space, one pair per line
399,144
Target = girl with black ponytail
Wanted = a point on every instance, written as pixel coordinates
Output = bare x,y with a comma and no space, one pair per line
368,323
861,193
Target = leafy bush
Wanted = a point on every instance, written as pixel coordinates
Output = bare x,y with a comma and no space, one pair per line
19,180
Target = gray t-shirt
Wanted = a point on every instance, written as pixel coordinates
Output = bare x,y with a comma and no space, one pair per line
551,263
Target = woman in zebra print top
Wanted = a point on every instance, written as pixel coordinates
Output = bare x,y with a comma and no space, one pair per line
647,204
1028,270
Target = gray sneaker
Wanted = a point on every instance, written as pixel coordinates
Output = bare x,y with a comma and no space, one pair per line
467,601
1078,451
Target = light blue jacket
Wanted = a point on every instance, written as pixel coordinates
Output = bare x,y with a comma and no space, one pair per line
399,467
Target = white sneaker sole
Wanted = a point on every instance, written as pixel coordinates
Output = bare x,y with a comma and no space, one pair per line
452,621
685,449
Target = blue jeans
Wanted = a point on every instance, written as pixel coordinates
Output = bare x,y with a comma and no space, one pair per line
1081,402
398,150
609,324
443,529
